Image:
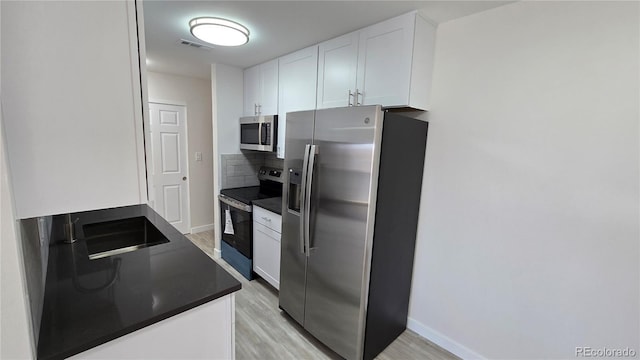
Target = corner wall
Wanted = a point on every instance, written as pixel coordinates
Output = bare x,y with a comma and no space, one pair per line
195,94
227,96
528,243
15,342
15,328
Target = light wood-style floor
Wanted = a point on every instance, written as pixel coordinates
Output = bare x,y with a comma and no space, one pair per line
263,331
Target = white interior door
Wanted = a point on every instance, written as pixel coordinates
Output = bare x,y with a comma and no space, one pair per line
170,187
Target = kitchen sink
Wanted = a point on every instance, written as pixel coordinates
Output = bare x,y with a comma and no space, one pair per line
120,236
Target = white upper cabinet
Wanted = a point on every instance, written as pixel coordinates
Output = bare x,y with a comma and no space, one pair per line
251,90
337,71
389,63
298,75
384,62
261,89
269,84
394,64
72,108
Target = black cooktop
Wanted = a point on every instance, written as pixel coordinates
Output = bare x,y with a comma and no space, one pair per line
250,193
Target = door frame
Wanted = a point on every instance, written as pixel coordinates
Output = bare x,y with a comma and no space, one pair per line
149,155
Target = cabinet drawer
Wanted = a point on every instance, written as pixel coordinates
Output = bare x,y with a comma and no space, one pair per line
271,220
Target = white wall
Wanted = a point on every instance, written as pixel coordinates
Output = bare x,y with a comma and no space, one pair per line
15,341
227,94
229,97
528,236
196,95
72,105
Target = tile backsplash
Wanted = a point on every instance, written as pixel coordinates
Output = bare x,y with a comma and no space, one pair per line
271,160
238,170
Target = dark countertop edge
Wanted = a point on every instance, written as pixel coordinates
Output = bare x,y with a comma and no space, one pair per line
266,204
140,325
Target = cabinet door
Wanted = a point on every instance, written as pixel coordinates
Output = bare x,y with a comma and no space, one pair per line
251,89
384,62
266,254
268,100
298,74
207,332
74,135
337,62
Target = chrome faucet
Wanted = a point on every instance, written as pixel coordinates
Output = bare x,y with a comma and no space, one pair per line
70,230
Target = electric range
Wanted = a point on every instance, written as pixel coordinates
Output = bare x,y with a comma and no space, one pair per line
237,221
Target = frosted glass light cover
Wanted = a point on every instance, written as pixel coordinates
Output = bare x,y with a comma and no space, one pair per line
218,31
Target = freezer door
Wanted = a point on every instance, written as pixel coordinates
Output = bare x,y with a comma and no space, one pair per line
343,188
292,257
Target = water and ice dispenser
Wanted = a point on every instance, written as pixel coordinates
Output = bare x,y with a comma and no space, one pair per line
295,180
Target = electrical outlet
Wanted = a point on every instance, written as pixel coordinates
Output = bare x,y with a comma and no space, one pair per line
198,156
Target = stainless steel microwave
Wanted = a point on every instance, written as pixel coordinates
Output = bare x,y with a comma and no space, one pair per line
259,132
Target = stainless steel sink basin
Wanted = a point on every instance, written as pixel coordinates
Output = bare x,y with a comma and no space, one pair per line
120,236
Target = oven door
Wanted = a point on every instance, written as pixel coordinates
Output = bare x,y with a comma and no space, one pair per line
236,225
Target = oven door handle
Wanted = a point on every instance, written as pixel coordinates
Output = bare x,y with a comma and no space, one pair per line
234,203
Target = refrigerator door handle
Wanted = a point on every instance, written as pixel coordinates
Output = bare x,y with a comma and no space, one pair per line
303,196
307,191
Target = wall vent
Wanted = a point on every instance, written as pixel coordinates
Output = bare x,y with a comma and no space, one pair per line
194,45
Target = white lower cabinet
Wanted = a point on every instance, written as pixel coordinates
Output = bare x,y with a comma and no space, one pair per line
204,332
266,245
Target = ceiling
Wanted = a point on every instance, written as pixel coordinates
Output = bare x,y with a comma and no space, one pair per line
277,27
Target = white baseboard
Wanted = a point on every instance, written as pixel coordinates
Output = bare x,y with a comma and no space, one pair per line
217,254
442,340
203,228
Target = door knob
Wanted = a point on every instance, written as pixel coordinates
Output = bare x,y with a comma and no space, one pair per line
184,178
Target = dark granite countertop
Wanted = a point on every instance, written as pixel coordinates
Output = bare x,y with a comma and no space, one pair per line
271,204
90,302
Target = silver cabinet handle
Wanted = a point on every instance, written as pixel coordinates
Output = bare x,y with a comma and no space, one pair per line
350,96
358,93
303,205
266,218
259,109
255,109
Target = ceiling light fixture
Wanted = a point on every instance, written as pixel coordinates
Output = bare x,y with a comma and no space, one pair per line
218,31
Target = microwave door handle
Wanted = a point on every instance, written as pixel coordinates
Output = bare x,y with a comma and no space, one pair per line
303,204
263,133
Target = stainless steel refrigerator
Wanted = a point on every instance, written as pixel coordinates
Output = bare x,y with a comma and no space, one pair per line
350,211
